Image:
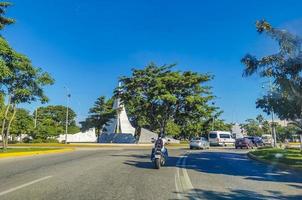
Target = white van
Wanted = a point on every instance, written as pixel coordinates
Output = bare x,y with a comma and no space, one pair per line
267,139
221,138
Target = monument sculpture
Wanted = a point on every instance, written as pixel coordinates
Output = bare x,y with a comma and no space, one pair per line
119,129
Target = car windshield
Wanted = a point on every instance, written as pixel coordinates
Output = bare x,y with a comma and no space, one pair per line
213,135
224,135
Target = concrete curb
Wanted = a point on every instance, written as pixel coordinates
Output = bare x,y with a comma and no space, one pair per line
30,153
276,164
75,145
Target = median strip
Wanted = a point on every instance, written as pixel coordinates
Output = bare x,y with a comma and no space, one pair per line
284,158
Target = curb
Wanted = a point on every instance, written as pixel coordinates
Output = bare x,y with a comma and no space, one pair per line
79,145
275,164
30,153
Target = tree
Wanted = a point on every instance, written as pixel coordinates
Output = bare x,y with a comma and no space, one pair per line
285,132
5,55
284,69
20,81
23,123
156,97
51,121
99,115
256,127
24,85
252,127
4,20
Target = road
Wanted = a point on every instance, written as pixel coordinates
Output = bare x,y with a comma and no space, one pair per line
129,174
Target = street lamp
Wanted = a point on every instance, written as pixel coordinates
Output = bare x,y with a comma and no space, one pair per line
213,122
67,113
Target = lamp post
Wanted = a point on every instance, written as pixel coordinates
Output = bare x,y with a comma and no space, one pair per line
67,113
213,119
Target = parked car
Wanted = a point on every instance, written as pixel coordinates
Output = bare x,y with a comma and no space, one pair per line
221,138
257,141
267,140
243,143
199,143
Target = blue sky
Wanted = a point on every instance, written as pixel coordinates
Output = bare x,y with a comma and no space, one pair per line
87,45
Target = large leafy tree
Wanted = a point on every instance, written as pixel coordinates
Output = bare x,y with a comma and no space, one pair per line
161,99
20,81
51,121
99,115
284,68
24,85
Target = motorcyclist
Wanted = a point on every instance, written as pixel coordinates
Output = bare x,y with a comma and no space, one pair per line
160,142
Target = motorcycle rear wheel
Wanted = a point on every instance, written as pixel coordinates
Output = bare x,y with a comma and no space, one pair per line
157,163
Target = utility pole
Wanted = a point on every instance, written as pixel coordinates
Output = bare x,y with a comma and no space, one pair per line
67,113
213,119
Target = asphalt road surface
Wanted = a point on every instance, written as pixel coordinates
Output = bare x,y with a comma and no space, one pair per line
129,174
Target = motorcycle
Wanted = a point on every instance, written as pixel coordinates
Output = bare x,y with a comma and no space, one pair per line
159,154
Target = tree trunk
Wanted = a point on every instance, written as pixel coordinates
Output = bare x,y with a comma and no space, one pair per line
3,124
161,131
9,124
138,132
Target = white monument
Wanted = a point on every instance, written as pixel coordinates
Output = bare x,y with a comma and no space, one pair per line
119,129
87,136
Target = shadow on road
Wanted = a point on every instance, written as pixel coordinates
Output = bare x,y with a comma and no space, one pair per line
236,164
237,194
143,161
226,163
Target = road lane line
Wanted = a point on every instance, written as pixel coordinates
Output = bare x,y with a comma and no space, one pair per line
183,184
178,185
186,177
24,185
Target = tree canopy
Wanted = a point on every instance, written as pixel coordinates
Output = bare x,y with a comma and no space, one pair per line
99,115
51,121
20,81
256,127
284,68
164,100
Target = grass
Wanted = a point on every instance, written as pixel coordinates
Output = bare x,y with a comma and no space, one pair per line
15,150
291,157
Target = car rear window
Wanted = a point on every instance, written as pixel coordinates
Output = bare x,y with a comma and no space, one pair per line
213,135
225,135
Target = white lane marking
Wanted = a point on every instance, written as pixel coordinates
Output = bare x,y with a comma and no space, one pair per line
179,196
183,183
24,185
187,181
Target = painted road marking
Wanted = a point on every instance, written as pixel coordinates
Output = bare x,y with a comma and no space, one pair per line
24,185
183,183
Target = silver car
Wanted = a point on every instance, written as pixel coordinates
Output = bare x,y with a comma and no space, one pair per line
199,143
